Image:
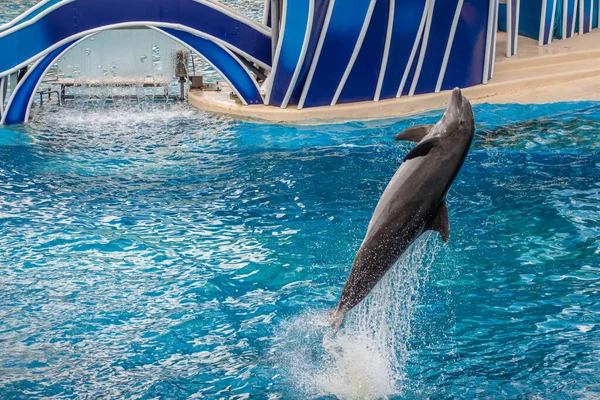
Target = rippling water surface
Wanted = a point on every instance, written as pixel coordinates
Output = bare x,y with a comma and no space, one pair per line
153,251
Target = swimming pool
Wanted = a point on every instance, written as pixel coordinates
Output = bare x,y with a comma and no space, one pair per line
153,251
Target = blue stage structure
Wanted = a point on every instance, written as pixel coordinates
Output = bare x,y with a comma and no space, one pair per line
318,52
569,10
544,20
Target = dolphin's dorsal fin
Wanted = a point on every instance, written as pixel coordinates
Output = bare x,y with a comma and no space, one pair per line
441,223
414,133
423,148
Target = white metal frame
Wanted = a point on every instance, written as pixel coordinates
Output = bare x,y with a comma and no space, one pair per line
415,81
442,74
386,50
413,52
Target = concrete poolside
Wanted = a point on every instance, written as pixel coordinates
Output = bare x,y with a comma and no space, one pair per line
565,70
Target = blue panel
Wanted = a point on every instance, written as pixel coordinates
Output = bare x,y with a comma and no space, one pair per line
529,24
296,21
318,19
17,111
595,14
362,81
549,22
83,15
443,15
467,56
564,32
235,73
407,17
344,28
587,15
413,69
502,18
571,18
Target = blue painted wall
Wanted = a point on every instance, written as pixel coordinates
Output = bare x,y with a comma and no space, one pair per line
443,15
467,56
342,33
318,20
407,18
363,78
296,20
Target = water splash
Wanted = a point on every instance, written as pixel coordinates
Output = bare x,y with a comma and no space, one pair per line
366,359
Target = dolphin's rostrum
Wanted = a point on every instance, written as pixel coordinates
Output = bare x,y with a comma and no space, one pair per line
413,202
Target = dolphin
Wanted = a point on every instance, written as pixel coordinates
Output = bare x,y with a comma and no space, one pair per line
413,202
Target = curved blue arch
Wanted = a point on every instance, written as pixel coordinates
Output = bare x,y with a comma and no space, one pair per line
16,111
224,61
74,19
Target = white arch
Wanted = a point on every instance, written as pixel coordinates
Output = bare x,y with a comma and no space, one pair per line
38,61
24,79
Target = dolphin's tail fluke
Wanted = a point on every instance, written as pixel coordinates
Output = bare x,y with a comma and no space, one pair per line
336,318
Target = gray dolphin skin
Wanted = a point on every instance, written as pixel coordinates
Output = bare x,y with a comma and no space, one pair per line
413,202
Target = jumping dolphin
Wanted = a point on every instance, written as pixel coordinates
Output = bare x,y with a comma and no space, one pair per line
413,202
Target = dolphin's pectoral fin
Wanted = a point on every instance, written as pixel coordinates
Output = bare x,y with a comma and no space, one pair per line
422,149
441,223
414,133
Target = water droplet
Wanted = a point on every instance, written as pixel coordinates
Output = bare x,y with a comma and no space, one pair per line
88,51
143,58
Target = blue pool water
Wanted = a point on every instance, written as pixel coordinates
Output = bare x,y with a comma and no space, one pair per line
152,251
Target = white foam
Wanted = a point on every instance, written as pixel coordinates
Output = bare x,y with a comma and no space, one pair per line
367,357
